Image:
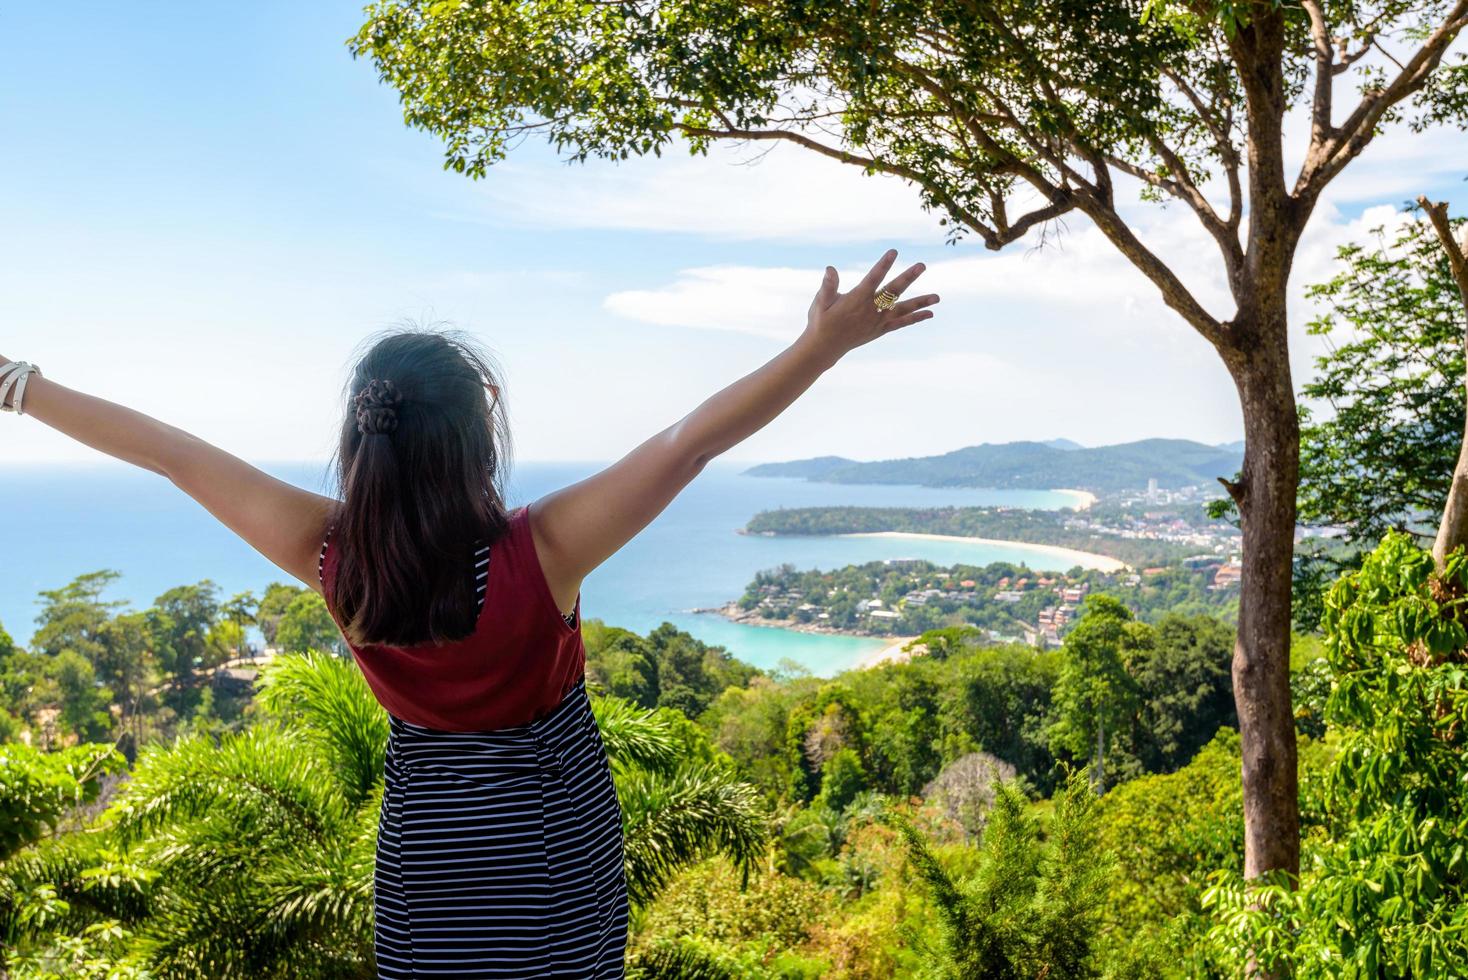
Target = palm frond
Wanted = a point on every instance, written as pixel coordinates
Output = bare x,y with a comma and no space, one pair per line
281,908
326,893
83,872
681,958
635,737
672,820
327,699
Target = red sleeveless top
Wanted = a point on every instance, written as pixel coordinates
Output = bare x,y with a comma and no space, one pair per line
521,659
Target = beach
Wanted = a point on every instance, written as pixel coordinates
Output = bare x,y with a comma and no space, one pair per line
1085,559
1084,499
893,653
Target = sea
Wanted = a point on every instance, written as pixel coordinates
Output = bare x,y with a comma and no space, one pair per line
64,520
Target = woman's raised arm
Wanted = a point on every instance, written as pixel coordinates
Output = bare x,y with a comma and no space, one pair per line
282,522
580,526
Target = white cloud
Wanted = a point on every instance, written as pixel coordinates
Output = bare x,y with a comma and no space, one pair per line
743,299
1080,276
734,193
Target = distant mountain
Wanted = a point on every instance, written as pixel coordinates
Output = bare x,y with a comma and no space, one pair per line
1032,466
1066,444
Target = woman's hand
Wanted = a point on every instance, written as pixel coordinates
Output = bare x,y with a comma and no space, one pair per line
840,322
580,526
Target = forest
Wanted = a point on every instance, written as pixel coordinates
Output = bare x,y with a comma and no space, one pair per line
980,810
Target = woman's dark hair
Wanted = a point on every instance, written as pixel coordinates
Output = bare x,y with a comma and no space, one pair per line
421,464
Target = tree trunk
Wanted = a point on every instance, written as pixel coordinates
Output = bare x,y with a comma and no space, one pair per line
1265,496
1452,532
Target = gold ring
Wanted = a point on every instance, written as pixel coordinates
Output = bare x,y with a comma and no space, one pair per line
885,299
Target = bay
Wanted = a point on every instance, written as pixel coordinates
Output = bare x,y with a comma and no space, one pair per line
63,520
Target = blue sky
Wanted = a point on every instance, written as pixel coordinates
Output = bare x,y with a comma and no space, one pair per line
205,208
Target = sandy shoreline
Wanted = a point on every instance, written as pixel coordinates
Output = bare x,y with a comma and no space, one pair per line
1087,559
893,653
1084,499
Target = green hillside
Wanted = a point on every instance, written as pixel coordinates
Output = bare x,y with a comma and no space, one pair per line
1032,466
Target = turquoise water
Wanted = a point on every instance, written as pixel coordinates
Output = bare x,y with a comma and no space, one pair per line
63,521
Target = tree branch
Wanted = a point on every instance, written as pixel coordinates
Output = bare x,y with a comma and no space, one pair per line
1228,154
1356,133
994,238
1437,213
1174,293
1320,129
1184,189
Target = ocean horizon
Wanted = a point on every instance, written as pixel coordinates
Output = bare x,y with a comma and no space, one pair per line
67,519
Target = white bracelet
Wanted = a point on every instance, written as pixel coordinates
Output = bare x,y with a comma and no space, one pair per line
15,374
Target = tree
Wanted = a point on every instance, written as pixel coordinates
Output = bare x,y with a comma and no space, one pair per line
1385,892
179,622
966,788
127,664
621,663
842,777
1397,304
307,625
948,640
1095,695
1001,706
240,610
1452,531
1184,695
38,789
272,606
1033,908
84,701
1168,831
72,616
1006,117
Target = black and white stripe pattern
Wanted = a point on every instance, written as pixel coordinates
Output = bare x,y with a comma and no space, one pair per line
499,854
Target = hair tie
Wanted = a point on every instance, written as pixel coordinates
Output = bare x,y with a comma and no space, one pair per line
377,407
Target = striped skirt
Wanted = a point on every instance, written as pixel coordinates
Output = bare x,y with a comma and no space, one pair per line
499,854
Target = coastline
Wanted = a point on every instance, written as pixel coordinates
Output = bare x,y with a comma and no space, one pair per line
892,650
1088,559
732,612
1084,499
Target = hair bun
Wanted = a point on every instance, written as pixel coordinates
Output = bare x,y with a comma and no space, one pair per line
377,407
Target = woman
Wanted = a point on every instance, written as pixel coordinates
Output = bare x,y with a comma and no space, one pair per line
499,850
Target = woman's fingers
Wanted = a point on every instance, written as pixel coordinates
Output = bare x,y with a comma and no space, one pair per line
910,305
869,282
830,283
906,319
899,285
